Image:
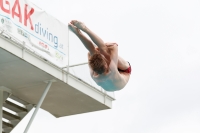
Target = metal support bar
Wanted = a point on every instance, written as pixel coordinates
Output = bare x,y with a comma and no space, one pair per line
38,106
105,95
76,65
68,54
23,50
1,109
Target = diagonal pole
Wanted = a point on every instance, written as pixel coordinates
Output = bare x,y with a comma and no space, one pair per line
38,106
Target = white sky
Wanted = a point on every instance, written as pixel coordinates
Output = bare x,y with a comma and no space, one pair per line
161,40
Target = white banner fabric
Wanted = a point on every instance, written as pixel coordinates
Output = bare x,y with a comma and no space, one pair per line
40,31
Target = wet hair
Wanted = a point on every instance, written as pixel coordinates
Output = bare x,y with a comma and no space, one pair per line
97,63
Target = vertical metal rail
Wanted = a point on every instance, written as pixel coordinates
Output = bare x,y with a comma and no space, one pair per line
1,109
68,53
38,106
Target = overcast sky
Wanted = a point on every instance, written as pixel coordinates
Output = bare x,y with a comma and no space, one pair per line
161,40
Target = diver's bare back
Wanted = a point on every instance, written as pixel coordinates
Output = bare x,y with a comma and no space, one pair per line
113,80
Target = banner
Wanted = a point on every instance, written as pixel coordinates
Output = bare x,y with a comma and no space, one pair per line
39,30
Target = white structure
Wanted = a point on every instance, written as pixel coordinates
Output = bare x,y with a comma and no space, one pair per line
28,77
35,70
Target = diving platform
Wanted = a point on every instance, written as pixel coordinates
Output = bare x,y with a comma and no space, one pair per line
30,79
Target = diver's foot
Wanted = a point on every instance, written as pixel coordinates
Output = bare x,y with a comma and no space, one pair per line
79,24
73,28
